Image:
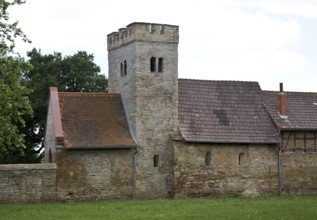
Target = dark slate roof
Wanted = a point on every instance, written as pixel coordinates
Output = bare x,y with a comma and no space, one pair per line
94,121
301,110
223,112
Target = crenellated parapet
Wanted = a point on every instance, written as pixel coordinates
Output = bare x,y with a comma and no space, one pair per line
143,32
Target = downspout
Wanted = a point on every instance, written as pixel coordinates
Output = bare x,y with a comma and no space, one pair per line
279,165
279,169
134,172
134,193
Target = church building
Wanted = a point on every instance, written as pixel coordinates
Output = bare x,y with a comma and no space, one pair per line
154,135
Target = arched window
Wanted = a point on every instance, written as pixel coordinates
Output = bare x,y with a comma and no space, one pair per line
160,64
50,158
153,64
156,160
208,159
241,159
125,68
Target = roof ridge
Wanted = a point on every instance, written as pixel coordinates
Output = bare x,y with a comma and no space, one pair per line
89,93
300,92
209,80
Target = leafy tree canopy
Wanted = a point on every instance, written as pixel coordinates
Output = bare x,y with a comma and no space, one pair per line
9,31
14,103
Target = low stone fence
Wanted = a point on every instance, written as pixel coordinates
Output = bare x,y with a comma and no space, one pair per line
27,182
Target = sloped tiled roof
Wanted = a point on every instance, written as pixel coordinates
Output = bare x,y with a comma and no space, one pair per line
94,121
301,110
223,112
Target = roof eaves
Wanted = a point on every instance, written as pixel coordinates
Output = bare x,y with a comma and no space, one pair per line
231,142
112,147
297,129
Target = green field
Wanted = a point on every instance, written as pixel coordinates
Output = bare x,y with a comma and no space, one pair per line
286,207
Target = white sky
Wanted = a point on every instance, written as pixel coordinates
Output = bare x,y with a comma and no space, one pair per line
269,41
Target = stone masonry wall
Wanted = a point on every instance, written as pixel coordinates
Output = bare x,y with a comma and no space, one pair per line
247,170
156,118
94,174
151,99
27,183
299,173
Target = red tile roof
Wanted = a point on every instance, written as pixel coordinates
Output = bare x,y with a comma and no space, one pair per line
301,110
223,112
94,121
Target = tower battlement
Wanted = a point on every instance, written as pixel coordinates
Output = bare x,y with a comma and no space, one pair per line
143,32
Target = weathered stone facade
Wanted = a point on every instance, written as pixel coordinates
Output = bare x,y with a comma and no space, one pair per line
299,173
232,170
150,97
94,174
27,182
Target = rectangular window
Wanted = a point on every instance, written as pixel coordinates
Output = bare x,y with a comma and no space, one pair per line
153,64
121,69
160,65
125,68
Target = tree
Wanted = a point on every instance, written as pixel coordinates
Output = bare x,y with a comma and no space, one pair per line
75,73
9,31
80,74
14,103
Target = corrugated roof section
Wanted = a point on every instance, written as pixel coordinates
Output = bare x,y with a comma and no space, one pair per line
301,110
94,121
223,112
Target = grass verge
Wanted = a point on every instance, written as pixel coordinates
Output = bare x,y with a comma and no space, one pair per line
285,207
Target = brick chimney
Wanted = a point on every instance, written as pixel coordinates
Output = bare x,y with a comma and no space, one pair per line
282,102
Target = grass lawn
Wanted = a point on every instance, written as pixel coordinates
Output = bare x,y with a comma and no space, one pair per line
286,207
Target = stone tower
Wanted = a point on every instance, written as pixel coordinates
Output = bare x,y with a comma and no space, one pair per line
143,67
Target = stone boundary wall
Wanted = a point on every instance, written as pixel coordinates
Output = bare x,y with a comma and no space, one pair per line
27,182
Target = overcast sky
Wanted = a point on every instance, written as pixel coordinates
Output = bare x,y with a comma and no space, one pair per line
269,41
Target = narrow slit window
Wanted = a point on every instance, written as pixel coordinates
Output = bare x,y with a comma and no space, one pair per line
156,160
125,68
160,64
50,157
208,159
121,69
153,64
241,159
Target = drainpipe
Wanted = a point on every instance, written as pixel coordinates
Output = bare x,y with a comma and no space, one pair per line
135,152
134,173
279,169
279,164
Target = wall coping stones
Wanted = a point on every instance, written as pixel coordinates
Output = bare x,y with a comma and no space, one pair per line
43,166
